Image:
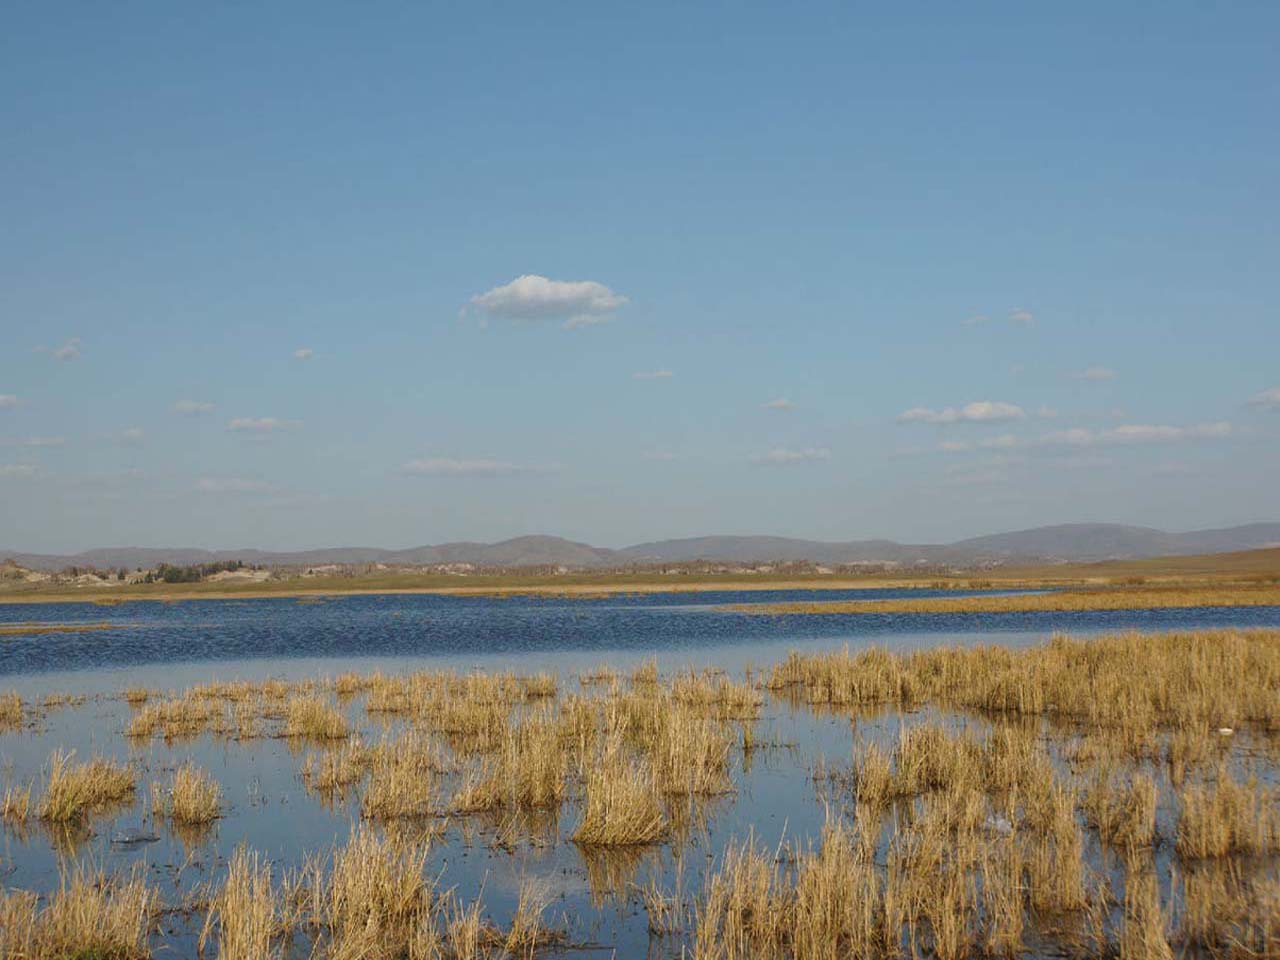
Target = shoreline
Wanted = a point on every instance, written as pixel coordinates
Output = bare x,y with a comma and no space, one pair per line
109,596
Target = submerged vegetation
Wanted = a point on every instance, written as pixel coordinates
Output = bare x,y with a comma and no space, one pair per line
1115,796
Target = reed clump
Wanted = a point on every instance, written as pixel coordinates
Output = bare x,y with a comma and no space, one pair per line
191,797
10,710
75,790
91,915
245,911
621,805
370,896
1228,817
15,805
1125,814
311,717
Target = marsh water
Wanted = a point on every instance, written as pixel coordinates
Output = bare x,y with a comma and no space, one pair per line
170,646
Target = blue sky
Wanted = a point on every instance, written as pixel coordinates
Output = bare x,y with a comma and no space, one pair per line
820,270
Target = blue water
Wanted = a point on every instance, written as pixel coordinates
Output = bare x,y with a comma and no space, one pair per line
426,625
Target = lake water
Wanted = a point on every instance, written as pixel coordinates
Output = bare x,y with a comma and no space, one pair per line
169,646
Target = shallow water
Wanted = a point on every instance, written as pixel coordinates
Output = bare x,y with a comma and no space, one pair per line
171,646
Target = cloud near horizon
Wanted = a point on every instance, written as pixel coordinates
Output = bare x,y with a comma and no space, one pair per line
578,303
652,375
452,467
258,424
191,408
1095,374
1268,399
69,350
778,403
782,456
17,470
231,485
303,353
980,411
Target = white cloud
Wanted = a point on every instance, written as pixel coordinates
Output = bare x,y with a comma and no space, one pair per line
1095,374
450,467
131,436
976,320
1268,399
783,456
192,408
258,425
1046,413
652,375
44,442
981,411
531,297
1138,434
1021,317
16,470
303,353
779,403
230,485
69,350
8,401
955,446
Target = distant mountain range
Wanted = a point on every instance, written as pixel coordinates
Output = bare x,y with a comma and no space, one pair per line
1064,542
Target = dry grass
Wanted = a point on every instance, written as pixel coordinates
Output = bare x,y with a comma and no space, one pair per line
10,710
1228,817
245,912
621,806
192,797
15,806
371,896
74,791
1124,815
311,717
90,916
402,781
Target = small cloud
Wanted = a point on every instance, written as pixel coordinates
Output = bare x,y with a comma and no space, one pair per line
1046,413
976,320
303,353
783,456
192,408
981,411
450,467
653,375
44,442
69,350
258,425
955,446
779,403
658,456
131,436
16,470
578,303
1268,399
1095,374
231,485
8,401
1023,318
1138,434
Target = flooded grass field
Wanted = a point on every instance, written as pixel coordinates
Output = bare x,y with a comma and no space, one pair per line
441,777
